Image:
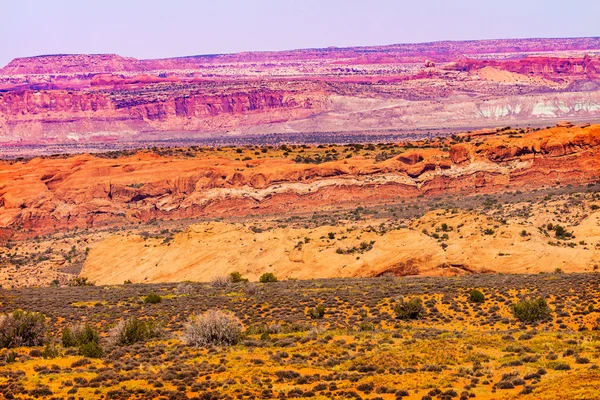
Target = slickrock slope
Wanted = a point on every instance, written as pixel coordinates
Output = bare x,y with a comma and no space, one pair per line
209,250
63,99
44,195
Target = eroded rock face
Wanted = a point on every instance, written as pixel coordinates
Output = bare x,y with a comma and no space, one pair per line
67,99
46,195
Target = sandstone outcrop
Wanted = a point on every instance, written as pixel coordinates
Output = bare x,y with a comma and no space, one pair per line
44,195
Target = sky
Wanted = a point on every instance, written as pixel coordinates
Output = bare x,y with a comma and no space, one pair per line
169,28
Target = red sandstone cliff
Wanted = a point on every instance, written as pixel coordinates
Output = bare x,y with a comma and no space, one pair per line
44,195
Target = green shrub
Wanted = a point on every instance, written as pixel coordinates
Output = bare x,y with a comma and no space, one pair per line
317,313
236,277
79,335
134,330
268,277
560,366
22,328
85,337
476,296
412,309
91,350
532,310
366,327
81,281
152,299
50,351
213,328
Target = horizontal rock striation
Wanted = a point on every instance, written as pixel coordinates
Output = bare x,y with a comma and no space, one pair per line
44,195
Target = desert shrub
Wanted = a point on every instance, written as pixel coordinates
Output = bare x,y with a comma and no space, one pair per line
152,299
85,338
561,366
412,309
134,330
81,281
50,351
251,289
22,328
532,310
476,296
317,313
91,350
78,335
268,277
366,327
236,277
184,288
220,281
212,328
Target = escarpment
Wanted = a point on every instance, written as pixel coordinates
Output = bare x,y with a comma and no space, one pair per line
411,89
44,195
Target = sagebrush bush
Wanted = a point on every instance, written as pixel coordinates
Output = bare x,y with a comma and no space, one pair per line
268,277
476,296
213,328
134,330
22,328
412,309
220,281
532,310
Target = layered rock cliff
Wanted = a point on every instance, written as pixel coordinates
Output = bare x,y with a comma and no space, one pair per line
414,88
48,194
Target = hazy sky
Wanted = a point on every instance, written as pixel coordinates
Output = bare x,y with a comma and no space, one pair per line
167,28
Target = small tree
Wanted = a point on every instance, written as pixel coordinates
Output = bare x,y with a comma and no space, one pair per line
213,328
412,309
532,310
476,296
268,277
